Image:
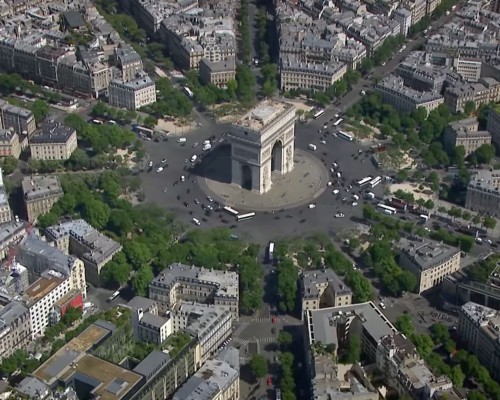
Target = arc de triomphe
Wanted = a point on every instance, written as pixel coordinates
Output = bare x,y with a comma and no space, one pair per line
262,142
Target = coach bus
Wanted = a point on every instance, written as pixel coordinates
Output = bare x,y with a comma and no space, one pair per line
338,122
387,209
231,211
364,181
244,217
319,114
375,181
345,136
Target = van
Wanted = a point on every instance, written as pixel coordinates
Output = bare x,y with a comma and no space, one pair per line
207,147
312,147
181,140
193,158
196,222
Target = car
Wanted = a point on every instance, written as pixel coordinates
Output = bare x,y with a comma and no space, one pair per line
186,204
329,184
354,204
159,169
312,205
322,141
150,164
196,201
210,199
195,144
269,381
339,215
382,306
164,161
209,207
336,191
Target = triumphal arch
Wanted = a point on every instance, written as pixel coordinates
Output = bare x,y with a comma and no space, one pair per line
262,143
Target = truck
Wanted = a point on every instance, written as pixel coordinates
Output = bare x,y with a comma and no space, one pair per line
312,147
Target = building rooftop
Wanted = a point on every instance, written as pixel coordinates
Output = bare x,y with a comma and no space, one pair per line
142,81
311,280
486,318
139,302
98,246
11,313
202,317
212,378
33,388
427,254
43,286
52,133
467,128
36,187
153,320
486,180
225,283
3,194
151,365
10,229
73,19
263,115
395,84
7,136
227,65
322,321
90,337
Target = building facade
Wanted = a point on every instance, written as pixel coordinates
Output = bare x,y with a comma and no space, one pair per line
15,328
40,194
20,120
218,73
5,211
479,329
493,126
430,261
304,76
9,144
134,94
483,192
54,142
465,133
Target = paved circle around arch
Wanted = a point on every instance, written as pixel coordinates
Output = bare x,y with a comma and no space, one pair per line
307,181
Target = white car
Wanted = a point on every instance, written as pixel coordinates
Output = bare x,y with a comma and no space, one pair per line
312,205
382,306
339,215
322,141
336,191
159,169
329,184
354,204
211,200
150,164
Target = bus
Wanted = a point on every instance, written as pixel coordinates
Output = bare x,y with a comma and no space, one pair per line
244,217
270,253
319,114
278,394
375,181
231,211
387,209
346,136
113,296
338,122
364,181
188,92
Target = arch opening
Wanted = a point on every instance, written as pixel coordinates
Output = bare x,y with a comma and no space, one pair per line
277,156
246,177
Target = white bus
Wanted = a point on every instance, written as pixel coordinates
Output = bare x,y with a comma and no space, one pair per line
113,296
231,211
319,114
346,136
363,182
375,181
188,92
270,253
387,209
338,122
244,217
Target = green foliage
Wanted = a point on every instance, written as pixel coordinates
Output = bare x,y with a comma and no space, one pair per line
285,338
141,279
170,101
251,290
102,110
117,271
484,154
489,222
245,83
40,110
287,284
405,325
245,42
176,342
353,351
464,242
258,366
19,360
480,271
8,165
287,383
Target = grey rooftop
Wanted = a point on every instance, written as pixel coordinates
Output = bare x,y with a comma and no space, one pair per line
39,186
427,254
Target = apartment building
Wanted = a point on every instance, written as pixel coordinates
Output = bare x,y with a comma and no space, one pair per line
430,261
322,289
18,119
304,76
128,61
404,370
54,142
15,328
405,99
483,192
133,94
486,90
466,133
403,16
190,283
479,330
38,256
468,68
41,192
215,380
210,324
218,73
10,233
147,325
493,125
41,296
418,9
9,144
5,211
79,238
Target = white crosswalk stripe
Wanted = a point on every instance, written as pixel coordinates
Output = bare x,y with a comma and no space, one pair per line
268,339
266,320
241,342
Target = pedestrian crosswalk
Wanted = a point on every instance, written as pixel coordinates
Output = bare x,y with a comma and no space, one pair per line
241,342
268,339
262,340
267,320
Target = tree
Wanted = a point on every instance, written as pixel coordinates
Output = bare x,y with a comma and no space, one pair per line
258,366
476,219
489,222
457,376
485,153
137,253
40,109
439,333
96,213
285,338
405,325
353,348
470,107
117,271
8,165
141,280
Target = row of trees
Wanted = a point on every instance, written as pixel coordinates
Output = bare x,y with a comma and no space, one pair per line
170,101
245,41
102,110
383,53
269,70
456,212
